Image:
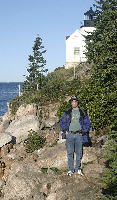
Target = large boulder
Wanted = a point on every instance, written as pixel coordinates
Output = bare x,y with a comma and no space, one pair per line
20,128
53,157
5,125
5,138
23,182
94,172
89,155
7,116
2,183
26,109
49,122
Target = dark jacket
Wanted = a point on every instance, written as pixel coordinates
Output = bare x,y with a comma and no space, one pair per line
84,122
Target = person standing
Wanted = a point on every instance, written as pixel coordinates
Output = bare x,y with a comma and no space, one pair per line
75,124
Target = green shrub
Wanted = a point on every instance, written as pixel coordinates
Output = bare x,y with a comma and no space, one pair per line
62,108
14,104
34,141
54,87
110,154
100,100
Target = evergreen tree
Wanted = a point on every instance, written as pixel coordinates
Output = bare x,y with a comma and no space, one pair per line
102,48
110,154
100,93
36,66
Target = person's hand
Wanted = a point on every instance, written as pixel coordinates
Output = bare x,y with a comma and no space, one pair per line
66,133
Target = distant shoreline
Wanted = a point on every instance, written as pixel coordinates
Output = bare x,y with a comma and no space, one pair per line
12,82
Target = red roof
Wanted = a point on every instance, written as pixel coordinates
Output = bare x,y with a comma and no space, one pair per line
67,37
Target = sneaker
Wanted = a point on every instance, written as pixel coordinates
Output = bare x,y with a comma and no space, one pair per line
69,173
79,172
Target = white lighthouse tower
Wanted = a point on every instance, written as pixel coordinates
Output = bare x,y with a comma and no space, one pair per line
75,44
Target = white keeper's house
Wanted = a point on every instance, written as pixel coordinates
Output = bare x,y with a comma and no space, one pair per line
75,44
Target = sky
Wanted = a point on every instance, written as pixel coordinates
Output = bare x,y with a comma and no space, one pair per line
20,23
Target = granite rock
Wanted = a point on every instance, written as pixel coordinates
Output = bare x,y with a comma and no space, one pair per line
5,138
20,128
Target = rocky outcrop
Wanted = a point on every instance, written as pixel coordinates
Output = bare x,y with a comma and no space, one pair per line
49,122
20,128
4,125
2,183
43,175
23,182
5,138
45,112
53,157
49,111
26,109
7,116
89,155
5,121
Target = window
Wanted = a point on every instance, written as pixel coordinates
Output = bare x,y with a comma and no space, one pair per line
76,50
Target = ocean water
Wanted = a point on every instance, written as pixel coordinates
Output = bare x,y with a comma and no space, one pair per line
7,92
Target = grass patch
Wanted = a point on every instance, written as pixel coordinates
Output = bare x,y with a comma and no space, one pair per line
34,142
48,186
54,169
44,170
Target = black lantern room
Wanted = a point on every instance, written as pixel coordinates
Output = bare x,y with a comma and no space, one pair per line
89,18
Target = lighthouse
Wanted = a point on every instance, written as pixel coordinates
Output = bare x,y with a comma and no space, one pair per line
89,25
75,44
